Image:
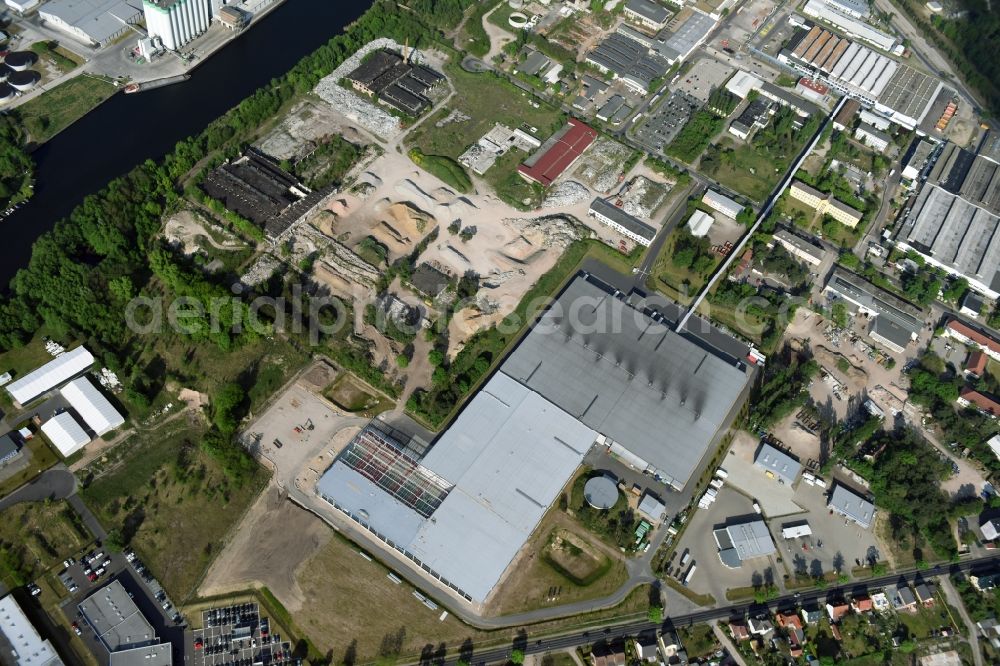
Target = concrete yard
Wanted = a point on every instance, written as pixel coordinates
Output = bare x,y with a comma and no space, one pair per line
774,498
712,576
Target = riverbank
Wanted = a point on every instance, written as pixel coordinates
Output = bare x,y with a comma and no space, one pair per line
126,130
50,112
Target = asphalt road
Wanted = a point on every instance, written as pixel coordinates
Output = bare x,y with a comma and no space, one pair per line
615,632
56,483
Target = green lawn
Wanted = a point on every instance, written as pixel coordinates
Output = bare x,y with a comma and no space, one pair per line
746,169
35,537
54,110
486,99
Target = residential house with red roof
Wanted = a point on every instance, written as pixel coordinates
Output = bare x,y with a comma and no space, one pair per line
984,402
969,335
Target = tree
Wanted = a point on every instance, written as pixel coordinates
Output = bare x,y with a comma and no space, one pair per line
839,314
115,541
655,614
436,357
517,656
228,400
402,361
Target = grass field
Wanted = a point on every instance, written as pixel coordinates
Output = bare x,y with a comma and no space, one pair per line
486,99
542,581
352,396
699,640
171,501
64,59
54,110
746,170
39,535
344,612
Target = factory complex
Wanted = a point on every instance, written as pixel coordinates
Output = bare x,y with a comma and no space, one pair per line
954,223
900,92
593,370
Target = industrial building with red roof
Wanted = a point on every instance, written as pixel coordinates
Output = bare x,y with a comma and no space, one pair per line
558,153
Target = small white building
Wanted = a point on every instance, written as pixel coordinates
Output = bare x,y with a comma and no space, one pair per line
700,222
95,410
722,203
871,137
796,531
52,374
65,433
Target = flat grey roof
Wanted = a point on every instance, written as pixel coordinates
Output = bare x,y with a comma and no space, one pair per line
743,541
659,395
778,463
613,212
886,328
848,503
856,288
116,619
653,11
159,654
690,33
956,233
628,59
910,92
509,454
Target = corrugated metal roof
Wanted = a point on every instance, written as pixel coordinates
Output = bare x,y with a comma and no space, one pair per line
509,454
65,433
50,375
96,411
851,505
629,377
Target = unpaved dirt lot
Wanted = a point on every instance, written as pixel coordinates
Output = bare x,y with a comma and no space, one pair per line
272,542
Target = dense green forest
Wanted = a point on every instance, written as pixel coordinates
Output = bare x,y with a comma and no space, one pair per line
967,40
16,166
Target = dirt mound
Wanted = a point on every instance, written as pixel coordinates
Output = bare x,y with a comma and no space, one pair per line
325,222
520,249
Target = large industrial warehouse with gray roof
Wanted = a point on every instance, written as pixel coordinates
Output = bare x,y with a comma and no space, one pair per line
593,369
955,221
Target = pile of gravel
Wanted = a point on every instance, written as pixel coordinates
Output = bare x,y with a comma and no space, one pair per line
566,193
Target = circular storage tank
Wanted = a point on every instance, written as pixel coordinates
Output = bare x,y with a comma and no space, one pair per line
601,492
518,20
6,93
23,80
515,4
20,60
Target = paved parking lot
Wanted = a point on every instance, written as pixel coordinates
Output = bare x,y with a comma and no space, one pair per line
775,499
712,576
835,541
238,636
661,126
705,74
